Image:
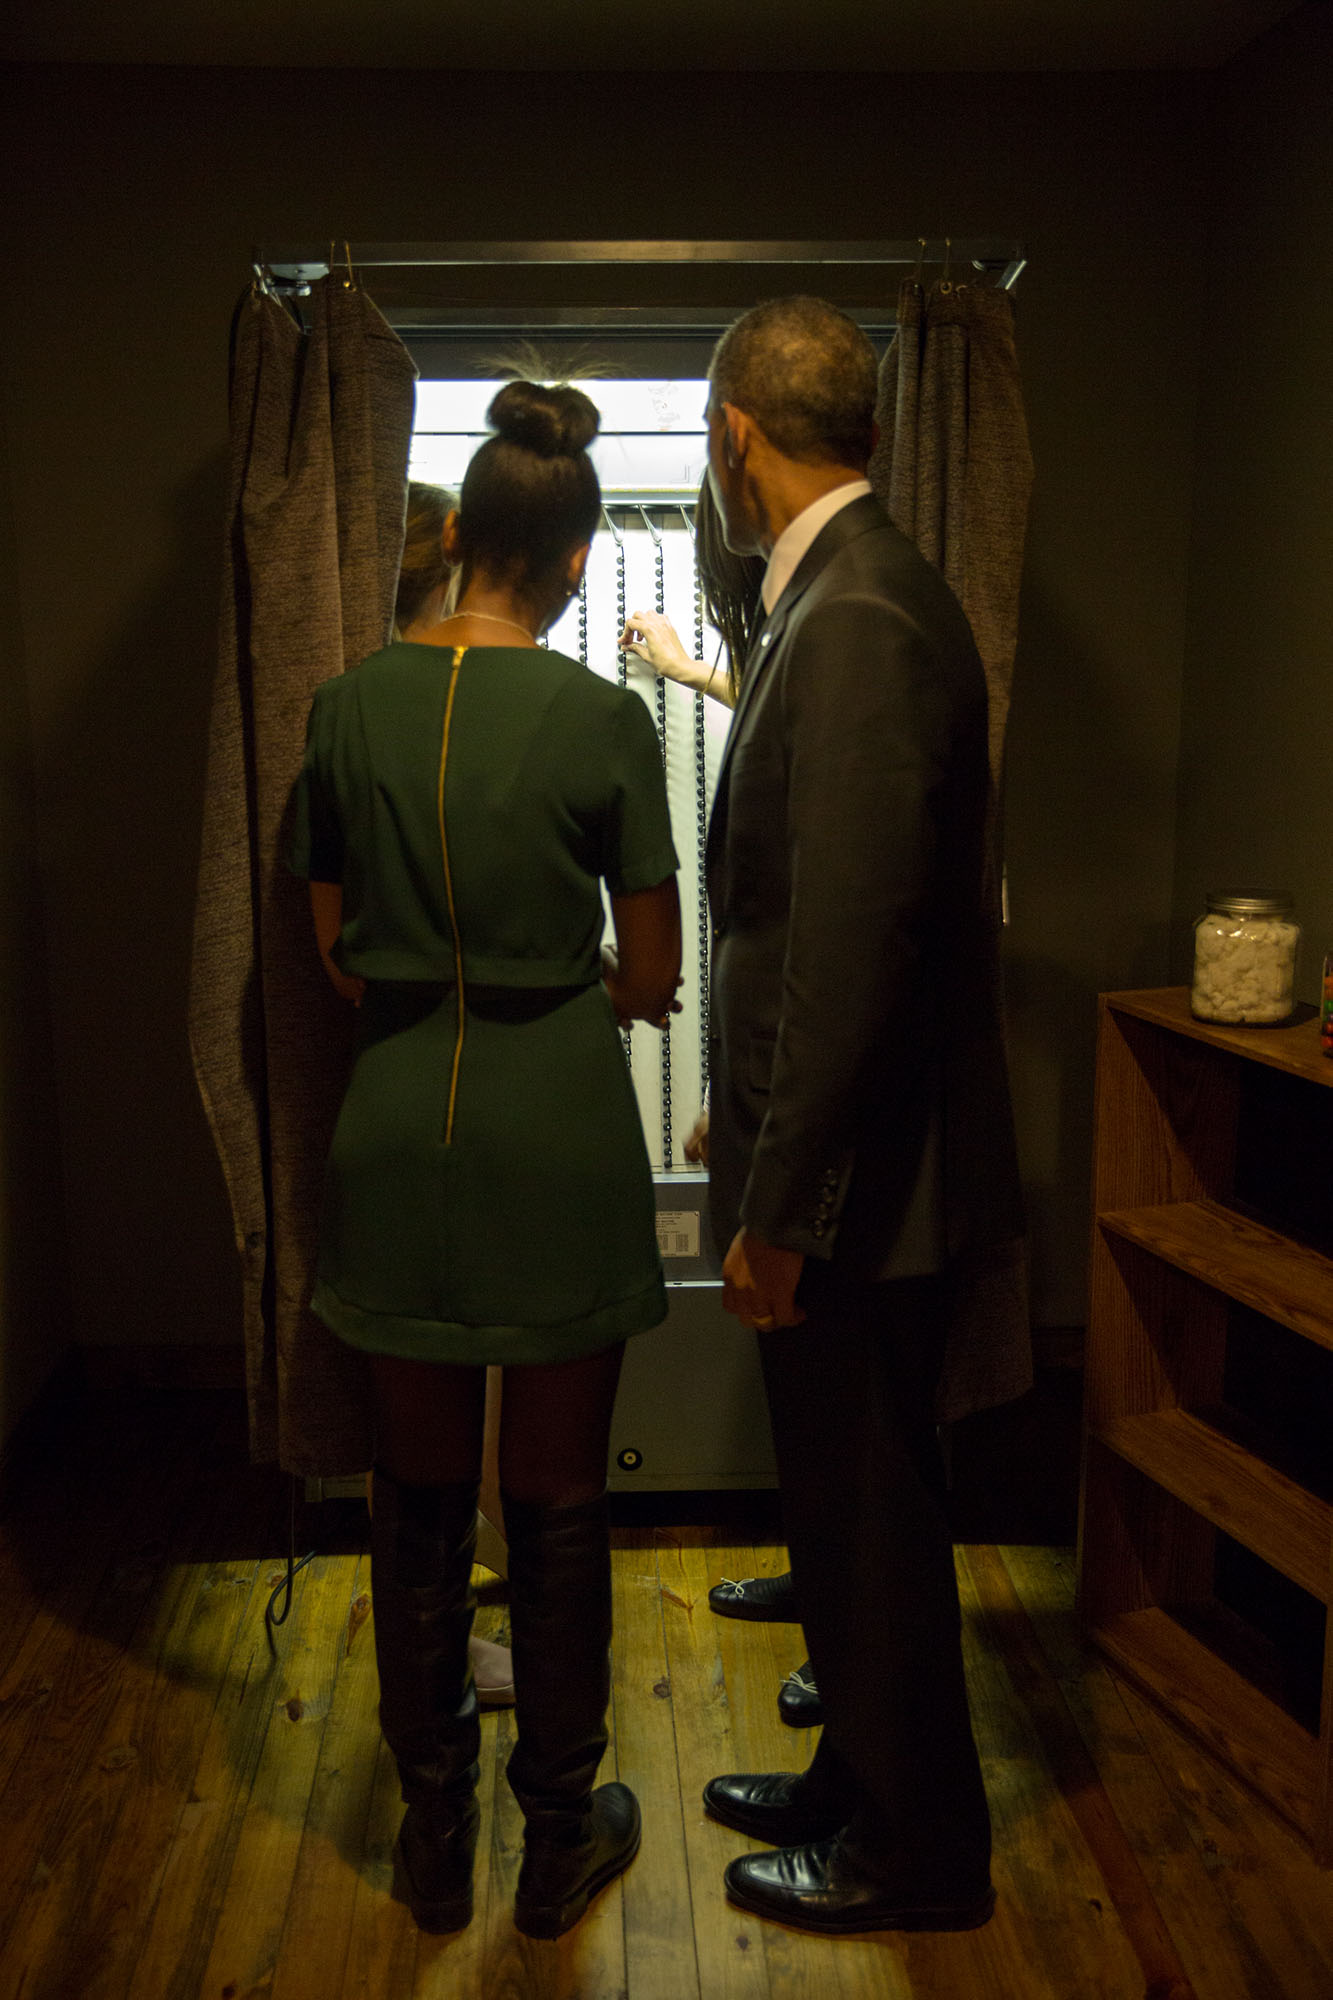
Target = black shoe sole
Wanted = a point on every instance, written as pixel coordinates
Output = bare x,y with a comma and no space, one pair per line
548,1920
961,1919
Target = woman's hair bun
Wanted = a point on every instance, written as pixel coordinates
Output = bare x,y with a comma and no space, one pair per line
554,423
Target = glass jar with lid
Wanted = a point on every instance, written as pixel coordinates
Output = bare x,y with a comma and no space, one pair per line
1245,960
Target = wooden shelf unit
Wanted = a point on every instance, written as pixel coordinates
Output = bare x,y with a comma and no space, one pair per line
1165,1465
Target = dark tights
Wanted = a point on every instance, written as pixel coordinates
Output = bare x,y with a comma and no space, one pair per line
555,1424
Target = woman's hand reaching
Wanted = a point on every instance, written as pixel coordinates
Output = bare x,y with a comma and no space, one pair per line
652,638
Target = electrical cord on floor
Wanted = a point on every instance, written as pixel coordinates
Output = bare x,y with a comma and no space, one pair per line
272,1616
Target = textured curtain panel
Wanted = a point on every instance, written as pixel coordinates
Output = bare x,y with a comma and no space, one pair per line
321,423
954,469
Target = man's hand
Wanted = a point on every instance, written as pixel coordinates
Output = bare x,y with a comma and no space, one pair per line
696,1146
759,1282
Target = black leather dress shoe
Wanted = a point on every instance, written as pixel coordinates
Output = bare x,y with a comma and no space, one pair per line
819,1888
798,1699
769,1807
772,1598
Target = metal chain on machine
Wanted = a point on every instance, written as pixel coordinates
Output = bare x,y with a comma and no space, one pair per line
659,580
583,618
701,818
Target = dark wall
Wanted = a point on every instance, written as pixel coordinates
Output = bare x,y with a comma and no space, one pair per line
1256,791
140,195
34,1294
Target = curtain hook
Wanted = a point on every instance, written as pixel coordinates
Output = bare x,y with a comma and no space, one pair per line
349,282
921,247
656,533
616,535
945,286
688,519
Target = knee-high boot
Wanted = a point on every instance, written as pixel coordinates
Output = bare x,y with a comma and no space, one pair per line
576,1839
421,1543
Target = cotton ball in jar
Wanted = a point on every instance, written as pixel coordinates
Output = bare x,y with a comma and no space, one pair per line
1245,961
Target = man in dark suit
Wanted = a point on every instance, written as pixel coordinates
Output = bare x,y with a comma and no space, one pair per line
861,1142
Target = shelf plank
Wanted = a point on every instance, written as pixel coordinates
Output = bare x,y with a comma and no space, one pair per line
1249,1499
1244,1728
1278,1277
1295,1047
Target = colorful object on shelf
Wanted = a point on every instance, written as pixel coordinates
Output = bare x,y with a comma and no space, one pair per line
1326,1008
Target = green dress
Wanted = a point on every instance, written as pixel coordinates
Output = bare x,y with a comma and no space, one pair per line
488,1196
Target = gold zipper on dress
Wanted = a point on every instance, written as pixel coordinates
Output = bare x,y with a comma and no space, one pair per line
449,895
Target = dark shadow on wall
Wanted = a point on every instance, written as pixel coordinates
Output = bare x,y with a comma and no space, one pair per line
1089,843
122,770
34,1288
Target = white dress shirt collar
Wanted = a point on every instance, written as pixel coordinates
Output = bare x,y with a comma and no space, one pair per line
797,536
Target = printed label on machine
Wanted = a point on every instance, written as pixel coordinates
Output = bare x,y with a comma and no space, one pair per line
678,1232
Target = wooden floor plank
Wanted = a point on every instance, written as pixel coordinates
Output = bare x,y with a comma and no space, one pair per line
727,1942
1279,1903
381,1961
133,1791
756,1655
1068,1882
65,1779
93,1582
263,1871
109,1843
317,1921
1218,1958
196,1874
202,1834
660,1958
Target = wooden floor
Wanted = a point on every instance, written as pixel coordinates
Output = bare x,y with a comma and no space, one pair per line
183,1813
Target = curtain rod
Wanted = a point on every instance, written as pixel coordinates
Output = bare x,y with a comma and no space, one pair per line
304,263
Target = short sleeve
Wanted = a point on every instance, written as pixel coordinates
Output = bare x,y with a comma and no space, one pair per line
315,847
638,851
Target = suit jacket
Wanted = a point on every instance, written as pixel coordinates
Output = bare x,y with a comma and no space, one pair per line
859,1101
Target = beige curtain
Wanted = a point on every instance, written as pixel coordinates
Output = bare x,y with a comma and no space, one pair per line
954,469
321,423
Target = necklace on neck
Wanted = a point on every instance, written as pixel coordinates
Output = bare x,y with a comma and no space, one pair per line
489,618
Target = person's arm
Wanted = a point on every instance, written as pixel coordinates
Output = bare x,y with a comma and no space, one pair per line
652,638
869,732
642,970
326,907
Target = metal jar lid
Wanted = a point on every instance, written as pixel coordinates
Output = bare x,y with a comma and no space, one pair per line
1250,906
